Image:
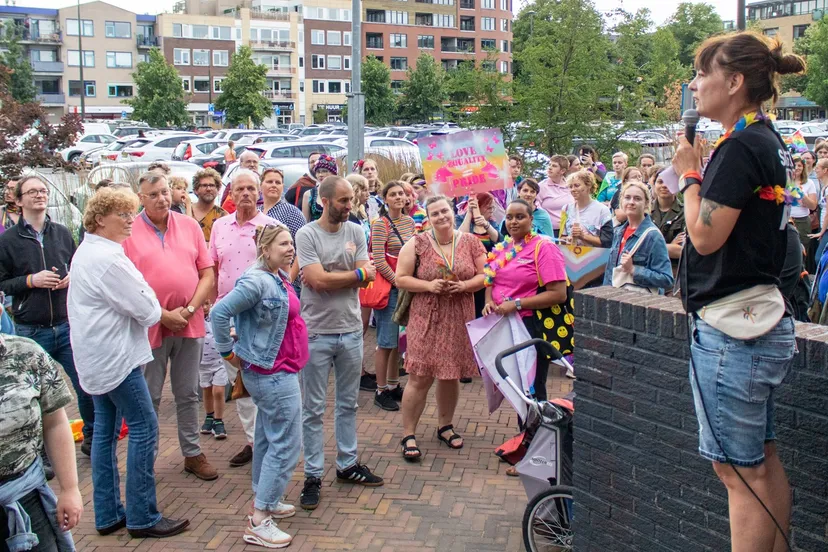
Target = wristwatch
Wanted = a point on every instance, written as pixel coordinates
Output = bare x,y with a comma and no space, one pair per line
687,181
190,309
518,305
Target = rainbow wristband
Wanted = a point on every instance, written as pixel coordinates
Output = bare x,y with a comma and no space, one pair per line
228,356
360,274
30,281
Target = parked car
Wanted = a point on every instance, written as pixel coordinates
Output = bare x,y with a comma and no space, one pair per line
380,142
59,207
268,138
311,130
291,168
215,159
126,131
112,152
298,151
200,146
157,148
236,135
811,132
90,141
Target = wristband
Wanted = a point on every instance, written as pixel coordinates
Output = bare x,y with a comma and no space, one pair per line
228,356
687,181
694,174
360,274
30,281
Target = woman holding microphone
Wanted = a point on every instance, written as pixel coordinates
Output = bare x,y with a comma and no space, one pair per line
741,333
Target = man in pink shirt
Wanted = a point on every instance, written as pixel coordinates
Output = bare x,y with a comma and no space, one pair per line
554,192
169,250
233,250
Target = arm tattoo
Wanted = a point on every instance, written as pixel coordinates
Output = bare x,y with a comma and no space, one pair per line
706,211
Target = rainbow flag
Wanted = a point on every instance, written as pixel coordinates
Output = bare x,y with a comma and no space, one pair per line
584,264
797,141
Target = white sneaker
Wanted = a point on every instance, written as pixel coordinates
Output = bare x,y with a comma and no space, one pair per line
570,373
283,511
266,534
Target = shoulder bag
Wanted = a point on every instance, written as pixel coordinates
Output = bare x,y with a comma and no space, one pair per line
623,279
375,295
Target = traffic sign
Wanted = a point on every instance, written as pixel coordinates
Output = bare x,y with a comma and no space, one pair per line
123,114
210,108
276,110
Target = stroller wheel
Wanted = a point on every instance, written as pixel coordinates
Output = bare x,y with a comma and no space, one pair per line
547,522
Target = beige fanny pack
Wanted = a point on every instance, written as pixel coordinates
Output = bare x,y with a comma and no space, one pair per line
747,314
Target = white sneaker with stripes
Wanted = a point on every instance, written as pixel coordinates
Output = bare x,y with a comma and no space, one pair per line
266,534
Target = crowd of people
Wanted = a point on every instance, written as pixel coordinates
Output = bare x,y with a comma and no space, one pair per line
270,290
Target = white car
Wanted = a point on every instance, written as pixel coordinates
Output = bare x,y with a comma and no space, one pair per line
198,146
111,152
268,138
240,136
86,143
156,148
380,142
298,151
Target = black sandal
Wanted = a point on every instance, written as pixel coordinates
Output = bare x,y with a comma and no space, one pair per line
450,440
406,451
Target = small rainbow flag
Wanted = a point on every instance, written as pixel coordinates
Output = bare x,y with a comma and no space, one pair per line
584,264
797,141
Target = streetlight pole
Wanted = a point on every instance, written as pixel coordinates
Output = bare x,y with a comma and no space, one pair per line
356,99
531,15
740,14
80,59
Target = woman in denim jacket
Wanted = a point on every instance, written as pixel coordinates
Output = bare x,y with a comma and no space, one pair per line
650,265
272,347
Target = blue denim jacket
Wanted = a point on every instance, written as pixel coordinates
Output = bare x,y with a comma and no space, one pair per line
259,304
20,526
651,263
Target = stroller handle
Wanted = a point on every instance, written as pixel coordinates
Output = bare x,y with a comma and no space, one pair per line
544,346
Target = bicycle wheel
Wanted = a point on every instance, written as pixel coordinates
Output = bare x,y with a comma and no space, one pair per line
547,522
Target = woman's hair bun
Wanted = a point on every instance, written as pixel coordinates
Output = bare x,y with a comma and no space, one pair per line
785,64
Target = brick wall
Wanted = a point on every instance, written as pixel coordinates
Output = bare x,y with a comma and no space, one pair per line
641,485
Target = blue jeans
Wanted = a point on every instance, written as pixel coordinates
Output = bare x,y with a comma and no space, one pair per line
736,381
388,332
278,433
55,341
130,401
344,351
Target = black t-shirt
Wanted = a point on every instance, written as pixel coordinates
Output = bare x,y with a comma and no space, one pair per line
754,253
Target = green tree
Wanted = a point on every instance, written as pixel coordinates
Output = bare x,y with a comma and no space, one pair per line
376,85
423,91
665,67
690,25
320,116
481,98
802,46
159,100
815,45
241,97
21,85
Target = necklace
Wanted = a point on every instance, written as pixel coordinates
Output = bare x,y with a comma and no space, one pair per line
433,235
494,264
449,265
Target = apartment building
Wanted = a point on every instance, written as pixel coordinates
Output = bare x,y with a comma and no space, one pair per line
41,40
789,19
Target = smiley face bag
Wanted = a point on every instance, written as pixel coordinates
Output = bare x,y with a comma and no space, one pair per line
556,324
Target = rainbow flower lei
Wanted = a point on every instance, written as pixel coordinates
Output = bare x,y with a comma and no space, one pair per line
494,263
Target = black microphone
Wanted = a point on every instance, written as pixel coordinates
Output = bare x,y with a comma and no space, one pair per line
690,119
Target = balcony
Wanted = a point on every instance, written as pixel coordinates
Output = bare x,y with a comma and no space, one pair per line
466,4
51,99
278,45
147,41
276,95
457,45
47,67
36,36
466,23
275,71
270,15
424,19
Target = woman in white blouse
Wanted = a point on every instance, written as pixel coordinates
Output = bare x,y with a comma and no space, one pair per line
110,309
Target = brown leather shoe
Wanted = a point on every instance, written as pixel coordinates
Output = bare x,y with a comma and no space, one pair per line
164,528
200,467
243,457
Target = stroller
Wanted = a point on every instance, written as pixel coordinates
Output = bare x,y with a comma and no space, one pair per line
545,468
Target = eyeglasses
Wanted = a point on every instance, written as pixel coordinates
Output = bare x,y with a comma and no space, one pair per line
210,185
153,196
35,193
126,217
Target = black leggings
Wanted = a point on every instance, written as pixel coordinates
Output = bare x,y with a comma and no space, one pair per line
40,524
542,364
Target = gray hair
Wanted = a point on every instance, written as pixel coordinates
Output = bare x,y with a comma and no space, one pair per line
152,178
244,173
247,152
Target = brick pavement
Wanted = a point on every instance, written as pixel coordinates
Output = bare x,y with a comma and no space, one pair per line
453,501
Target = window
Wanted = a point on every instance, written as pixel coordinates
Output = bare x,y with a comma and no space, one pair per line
119,60
201,31
398,17
118,29
424,19
181,56
221,58
425,42
334,38
347,87
397,86
375,16
143,58
319,87
488,66
221,33
467,23
317,61
504,46
86,25
488,4
44,55
771,32
318,37
177,30
333,14
487,23
799,31
466,4
119,90
301,61
446,21
504,67
504,25
346,38
335,63
398,40
399,63
266,35
201,84
346,63
373,40
334,87
88,58
346,15
75,88
301,86
201,57
504,5
185,83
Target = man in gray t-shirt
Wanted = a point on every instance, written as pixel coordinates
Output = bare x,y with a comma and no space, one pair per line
334,264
